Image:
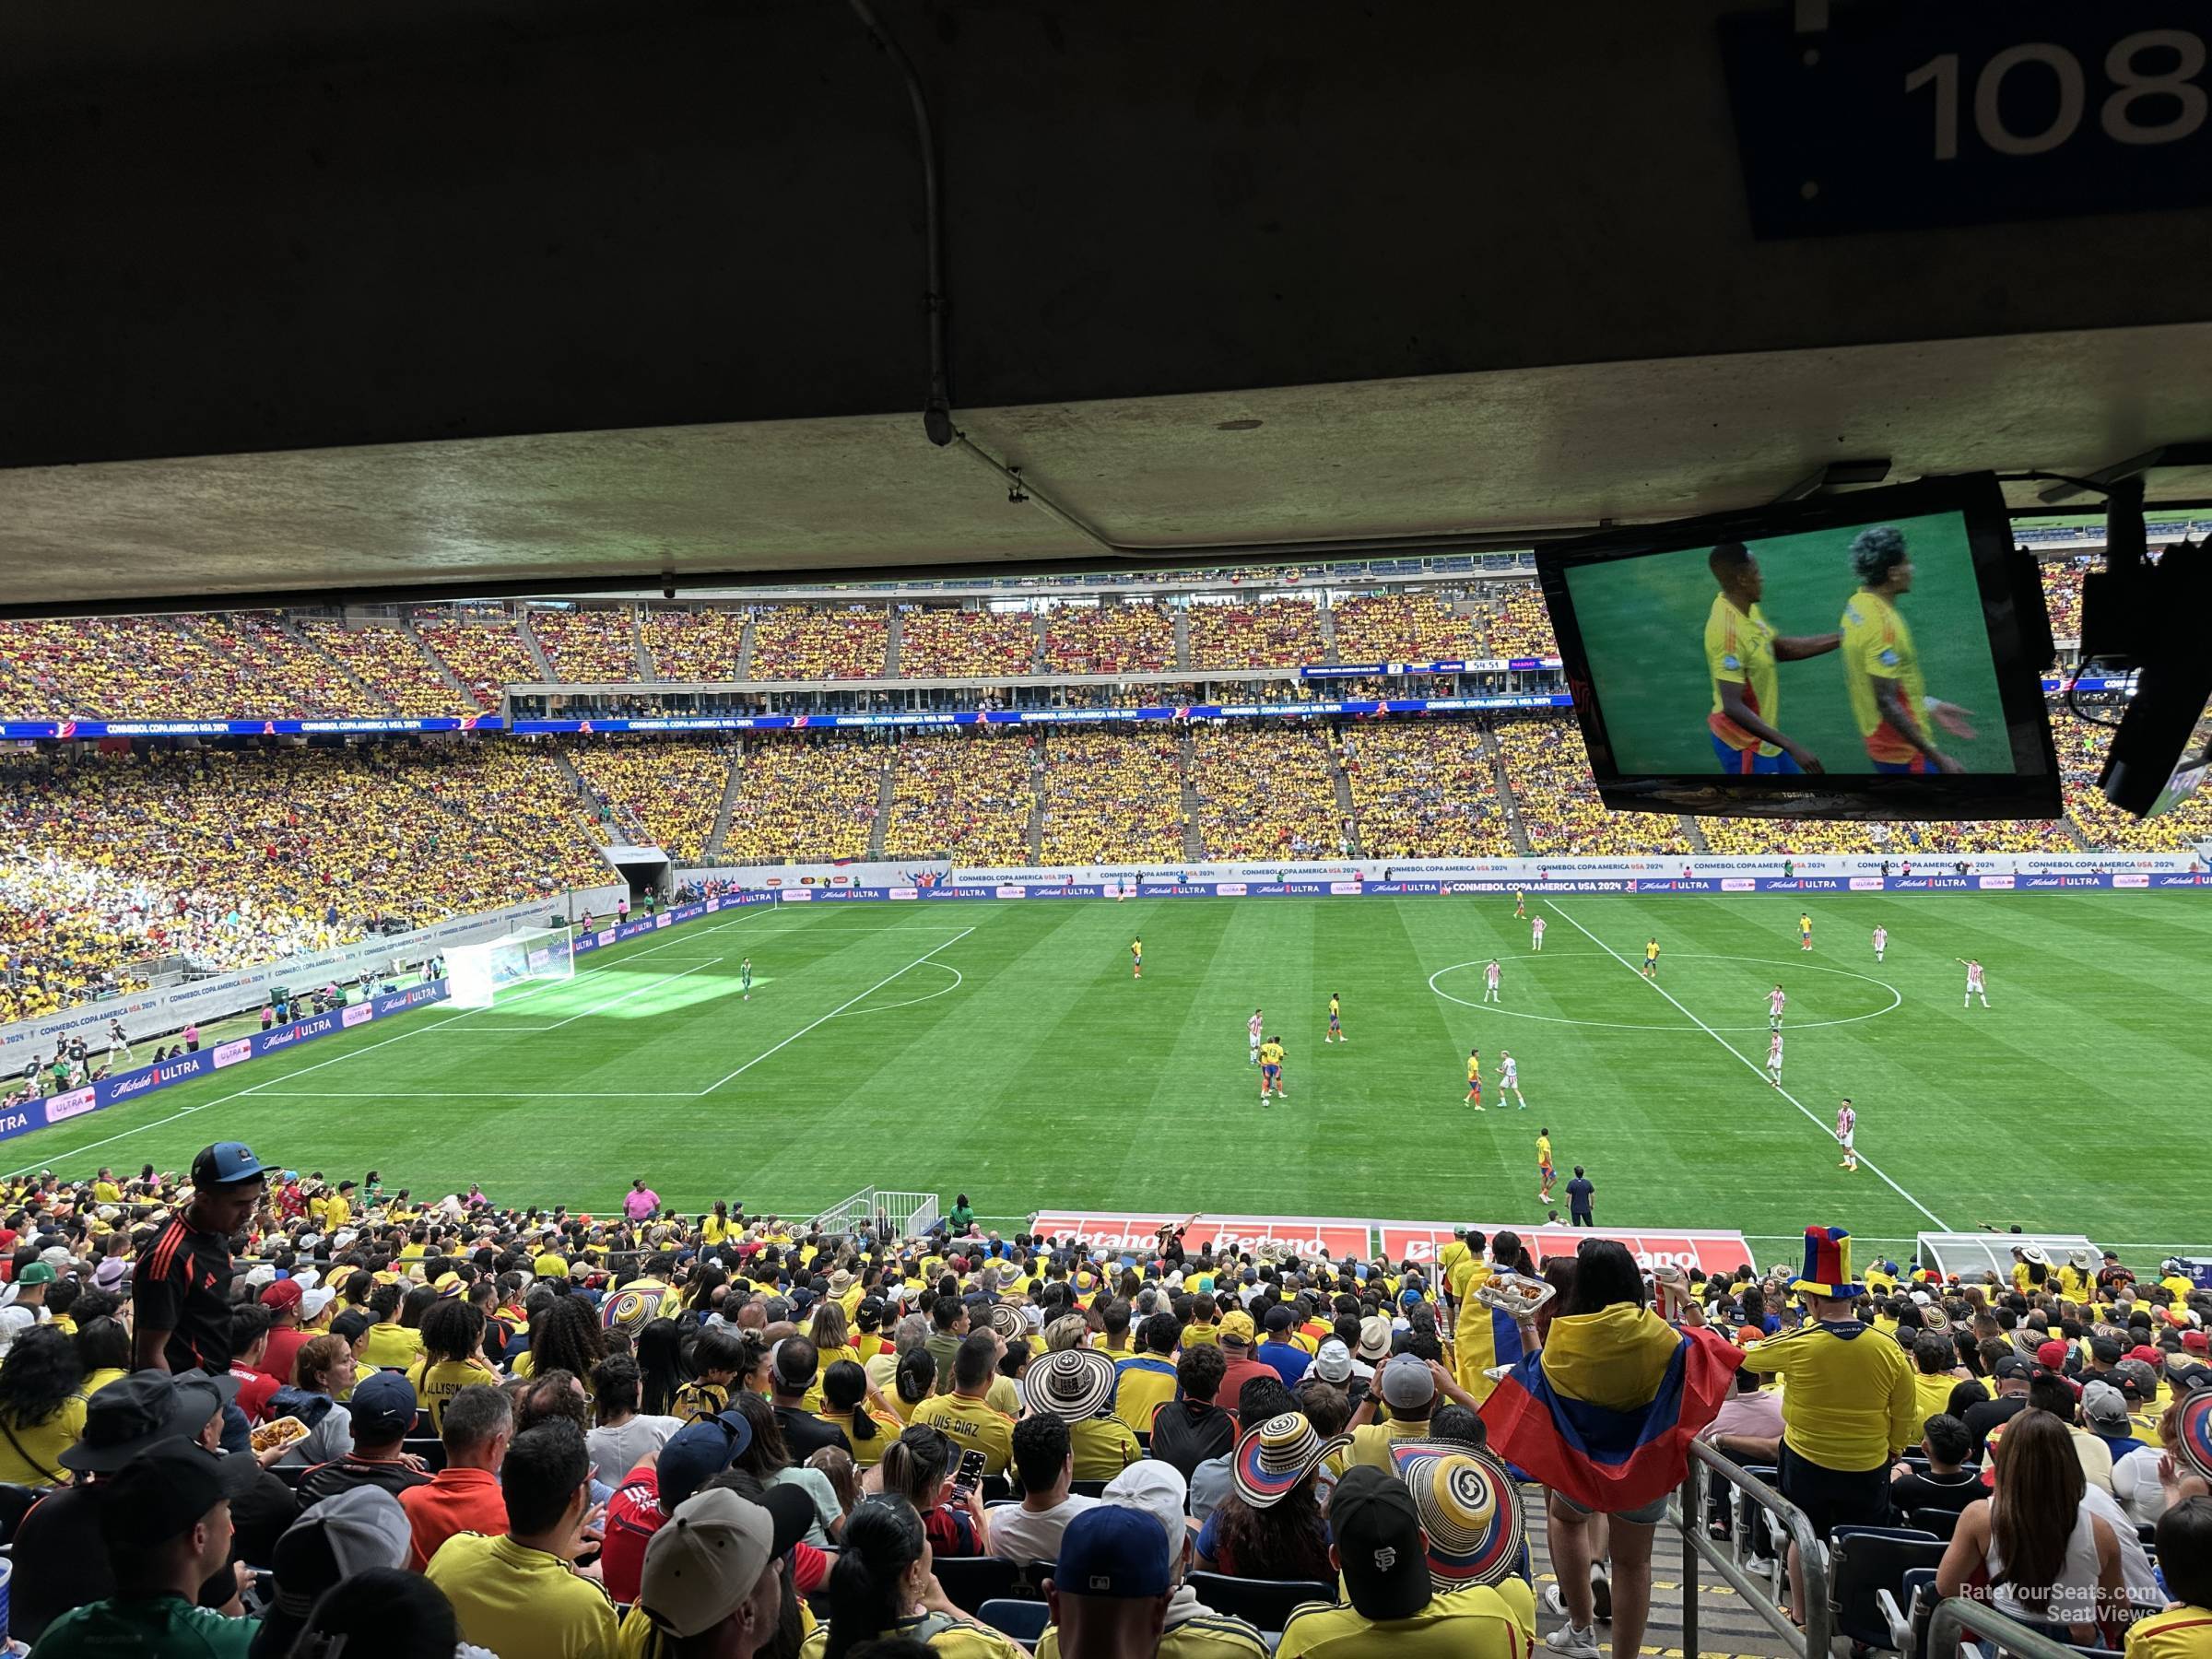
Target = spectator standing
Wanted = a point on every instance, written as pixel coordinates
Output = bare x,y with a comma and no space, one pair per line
520,1592
165,1525
477,1430
182,1289
1044,1458
640,1203
1578,1195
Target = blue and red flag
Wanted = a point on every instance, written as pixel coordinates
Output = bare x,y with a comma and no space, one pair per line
1604,1413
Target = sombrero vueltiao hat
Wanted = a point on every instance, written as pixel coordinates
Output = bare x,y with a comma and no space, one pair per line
630,1310
1073,1384
1272,1460
1470,1509
2194,1441
1007,1321
1827,1266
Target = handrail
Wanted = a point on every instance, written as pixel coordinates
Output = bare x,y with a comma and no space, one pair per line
1990,1623
1807,1640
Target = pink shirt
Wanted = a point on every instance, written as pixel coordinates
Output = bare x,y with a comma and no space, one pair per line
638,1206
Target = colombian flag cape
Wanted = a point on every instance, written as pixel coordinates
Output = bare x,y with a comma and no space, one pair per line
1605,1412
1485,1337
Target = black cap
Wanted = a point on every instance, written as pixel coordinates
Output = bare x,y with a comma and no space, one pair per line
159,1494
226,1163
1378,1535
2010,1366
135,1413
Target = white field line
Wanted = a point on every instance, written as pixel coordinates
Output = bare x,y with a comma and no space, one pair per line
1758,1071
608,1001
840,1007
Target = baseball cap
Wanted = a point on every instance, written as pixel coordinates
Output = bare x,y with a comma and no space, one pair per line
1378,1537
226,1163
284,1293
314,1299
1333,1362
1406,1383
140,1411
1113,1550
2011,1367
1157,1488
361,1527
383,1405
2051,1354
1237,1327
706,1562
1279,1319
2104,1406
700,1450
2196,1342
165,1490
35,1273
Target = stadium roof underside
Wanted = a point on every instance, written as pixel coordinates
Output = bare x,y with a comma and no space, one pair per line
553,295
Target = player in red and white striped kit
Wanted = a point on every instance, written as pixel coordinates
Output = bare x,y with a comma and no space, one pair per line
1536,933
1254,1028
1847,1126
1973,982
1882,942
1489,983
1774,1059
1776,1001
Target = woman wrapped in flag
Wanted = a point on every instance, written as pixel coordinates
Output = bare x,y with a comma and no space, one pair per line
1603,1414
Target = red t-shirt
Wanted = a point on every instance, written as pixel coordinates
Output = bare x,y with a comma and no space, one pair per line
284,1348
633,1515
456,1500
253,1391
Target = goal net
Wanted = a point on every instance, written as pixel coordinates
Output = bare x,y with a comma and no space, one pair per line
478,975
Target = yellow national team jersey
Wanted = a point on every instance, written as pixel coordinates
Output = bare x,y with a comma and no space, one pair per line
1474,1070
1271,1053
1651,953
1739,650
1877,645
1333,1010
1544,1150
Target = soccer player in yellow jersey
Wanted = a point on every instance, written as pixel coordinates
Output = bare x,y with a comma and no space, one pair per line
1650,959
1475,1079
1271,1069
1335,1021
1881,669
1741,649
1545,1174
1136,958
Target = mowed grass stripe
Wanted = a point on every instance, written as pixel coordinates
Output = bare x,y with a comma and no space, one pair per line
1048,1077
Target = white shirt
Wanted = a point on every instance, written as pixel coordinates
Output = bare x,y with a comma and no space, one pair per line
1021,1534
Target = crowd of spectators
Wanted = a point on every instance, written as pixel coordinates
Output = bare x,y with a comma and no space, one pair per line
1895,840
671,789
2062,595
586,647
274,661
1111,796
1266,790
486,656
943,643
58,947
167,668
384,657
805,798
2081,750
808,642
1549,772
1107,638
1514,622
703,645
1424,790
231,857
963,796
1400,627
437,1421
1267,633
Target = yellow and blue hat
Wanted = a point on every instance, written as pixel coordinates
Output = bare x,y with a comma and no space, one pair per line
1827,1266
1469,1508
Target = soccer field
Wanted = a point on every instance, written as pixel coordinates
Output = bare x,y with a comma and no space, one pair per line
1004,1049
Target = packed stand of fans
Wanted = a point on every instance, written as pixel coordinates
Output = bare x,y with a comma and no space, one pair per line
939,643
801,799
1400,627
585,647
1264,791
1112,796
1515,623
1424,790
133,667
236,857
1549,772
2062,595
704,644
57,946
1895,841
386,658
432,1420
671,788
2081,750
304,680
486,657
1267,633
962,797
1108,639
805,642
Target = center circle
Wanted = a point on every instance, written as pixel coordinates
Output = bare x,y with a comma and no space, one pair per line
1897,999
908,1002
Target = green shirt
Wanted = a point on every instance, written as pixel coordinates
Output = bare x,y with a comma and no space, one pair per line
157,1627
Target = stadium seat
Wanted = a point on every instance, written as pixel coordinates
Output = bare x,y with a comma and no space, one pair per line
1023,1620
1266,1603
1087,1488
971,1580
1864,1560
432,1450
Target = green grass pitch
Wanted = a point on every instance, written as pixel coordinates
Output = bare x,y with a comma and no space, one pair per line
1004,1049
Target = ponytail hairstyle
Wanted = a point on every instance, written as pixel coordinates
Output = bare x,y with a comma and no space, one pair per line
883,1538
659,1355
845,1388
917,1375
915,1464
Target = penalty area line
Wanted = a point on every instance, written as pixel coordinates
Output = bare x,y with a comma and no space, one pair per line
1757,1071
840,1007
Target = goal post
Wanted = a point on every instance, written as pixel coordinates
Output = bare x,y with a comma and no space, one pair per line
478,975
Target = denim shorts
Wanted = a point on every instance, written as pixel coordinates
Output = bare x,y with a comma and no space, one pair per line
1644,1514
